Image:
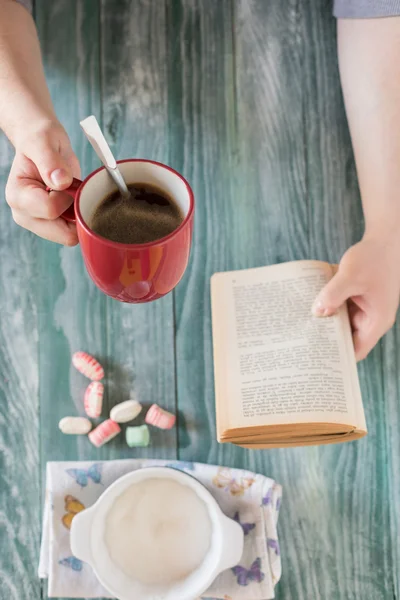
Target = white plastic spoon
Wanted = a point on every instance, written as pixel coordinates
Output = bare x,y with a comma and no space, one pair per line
95,136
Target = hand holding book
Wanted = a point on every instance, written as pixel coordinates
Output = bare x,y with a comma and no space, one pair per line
368,278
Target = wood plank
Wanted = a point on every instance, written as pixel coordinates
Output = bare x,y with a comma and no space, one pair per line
238,166
81,47
202,120
19,428
275,182
81,316
140,339
391,402
72,311
257,125
359,558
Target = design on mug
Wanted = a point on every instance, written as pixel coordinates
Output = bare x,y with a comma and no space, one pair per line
224,480
140,266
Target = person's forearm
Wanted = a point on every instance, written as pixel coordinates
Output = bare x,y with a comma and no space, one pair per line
369,58
24,97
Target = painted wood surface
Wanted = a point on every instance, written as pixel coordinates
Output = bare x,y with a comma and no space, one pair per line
136,347
19,401
243,97
283,197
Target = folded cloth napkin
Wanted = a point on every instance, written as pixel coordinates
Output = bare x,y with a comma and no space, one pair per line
253,500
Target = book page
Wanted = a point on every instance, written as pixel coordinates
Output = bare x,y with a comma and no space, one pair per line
275,362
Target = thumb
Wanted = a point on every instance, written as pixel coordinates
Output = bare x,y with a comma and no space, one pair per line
52,166
333,295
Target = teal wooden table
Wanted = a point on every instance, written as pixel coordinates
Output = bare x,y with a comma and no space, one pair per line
242,97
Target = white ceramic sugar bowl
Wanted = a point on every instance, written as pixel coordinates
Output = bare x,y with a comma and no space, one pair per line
88,542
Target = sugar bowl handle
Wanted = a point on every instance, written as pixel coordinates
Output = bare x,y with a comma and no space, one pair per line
233,543
81,534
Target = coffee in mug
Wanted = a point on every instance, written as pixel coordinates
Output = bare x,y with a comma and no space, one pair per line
147,215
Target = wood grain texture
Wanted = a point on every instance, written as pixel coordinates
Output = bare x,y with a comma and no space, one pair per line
391,402
358,477
76,314
134,343
242,97
289,192
19,439
72,312
334,509
201,96
140,339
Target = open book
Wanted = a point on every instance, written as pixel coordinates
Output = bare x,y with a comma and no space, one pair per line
282,376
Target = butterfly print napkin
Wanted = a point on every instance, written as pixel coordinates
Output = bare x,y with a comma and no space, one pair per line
252,500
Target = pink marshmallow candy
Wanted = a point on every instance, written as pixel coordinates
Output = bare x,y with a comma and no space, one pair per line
93,400
88,366
158,417
106,431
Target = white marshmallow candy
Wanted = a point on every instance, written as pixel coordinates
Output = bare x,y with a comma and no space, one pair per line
125,411
75,425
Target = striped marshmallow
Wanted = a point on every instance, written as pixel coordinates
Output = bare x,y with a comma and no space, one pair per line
158,417
106,431
88,366
93,400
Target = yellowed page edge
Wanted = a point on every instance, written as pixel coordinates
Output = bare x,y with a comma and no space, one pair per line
356,435
218,328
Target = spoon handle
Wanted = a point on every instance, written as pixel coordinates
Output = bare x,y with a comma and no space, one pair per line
119,181
99,143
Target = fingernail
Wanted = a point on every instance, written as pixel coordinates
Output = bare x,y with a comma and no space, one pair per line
60,177
319,310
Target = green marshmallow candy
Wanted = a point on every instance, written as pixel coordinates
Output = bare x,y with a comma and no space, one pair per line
137,436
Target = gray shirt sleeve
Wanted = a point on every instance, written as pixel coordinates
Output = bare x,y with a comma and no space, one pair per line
26,3
343,9
350,9
366,9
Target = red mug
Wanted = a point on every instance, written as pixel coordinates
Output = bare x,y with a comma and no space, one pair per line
133,273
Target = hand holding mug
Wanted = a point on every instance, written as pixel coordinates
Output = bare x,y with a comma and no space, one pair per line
44,157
